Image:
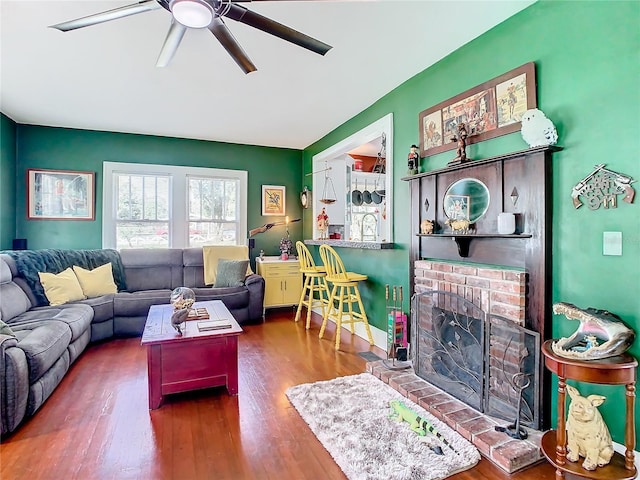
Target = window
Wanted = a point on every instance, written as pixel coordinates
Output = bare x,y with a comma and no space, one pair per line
153,206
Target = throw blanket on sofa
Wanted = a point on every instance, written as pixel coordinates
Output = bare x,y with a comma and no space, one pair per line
212,253
30,262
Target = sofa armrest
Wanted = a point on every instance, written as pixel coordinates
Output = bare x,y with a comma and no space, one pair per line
14,386
255,285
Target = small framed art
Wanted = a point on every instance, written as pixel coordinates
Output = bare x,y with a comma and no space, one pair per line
273,200
60,195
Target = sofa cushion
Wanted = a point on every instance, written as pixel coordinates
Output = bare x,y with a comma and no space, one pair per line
193,269
14,300
61,288
233,297
231,273
77,318
43,344
102,307
152,268
96,282
133,304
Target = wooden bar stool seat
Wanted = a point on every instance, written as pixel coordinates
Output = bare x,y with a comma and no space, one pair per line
314,281
344,295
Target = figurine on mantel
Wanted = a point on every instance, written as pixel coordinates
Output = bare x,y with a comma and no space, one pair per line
322,222
537,130
461,138
413,160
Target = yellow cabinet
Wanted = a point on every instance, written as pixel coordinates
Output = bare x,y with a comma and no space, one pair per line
283,281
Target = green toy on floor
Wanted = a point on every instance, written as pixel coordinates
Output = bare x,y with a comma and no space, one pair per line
400,412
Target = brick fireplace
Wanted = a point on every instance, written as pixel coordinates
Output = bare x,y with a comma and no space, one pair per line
475,366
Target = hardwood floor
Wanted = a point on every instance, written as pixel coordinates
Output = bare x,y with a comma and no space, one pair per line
97,425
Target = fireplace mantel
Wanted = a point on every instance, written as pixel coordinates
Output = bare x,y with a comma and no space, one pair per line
525,176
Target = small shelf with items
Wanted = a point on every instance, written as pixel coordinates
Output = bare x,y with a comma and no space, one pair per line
464,240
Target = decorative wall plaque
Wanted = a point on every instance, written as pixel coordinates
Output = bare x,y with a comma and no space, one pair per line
602,187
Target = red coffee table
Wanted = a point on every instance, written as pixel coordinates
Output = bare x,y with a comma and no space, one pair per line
194,360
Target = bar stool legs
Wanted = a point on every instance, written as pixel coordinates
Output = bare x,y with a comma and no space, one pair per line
345,292
313,282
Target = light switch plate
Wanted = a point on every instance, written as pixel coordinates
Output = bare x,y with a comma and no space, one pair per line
612,243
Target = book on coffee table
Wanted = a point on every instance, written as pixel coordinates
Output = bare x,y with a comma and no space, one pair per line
214,325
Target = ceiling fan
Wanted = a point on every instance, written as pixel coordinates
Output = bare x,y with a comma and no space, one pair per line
203,14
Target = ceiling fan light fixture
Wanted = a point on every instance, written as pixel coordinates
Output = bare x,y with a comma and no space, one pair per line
192,13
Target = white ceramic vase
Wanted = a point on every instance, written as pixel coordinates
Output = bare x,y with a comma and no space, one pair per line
506,223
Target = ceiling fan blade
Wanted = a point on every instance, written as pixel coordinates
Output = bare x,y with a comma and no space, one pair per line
241,14
140,7
228,41
171,43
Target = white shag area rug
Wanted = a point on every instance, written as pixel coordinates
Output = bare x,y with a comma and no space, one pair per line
351,418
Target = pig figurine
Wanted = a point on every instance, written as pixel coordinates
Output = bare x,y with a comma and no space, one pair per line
588,435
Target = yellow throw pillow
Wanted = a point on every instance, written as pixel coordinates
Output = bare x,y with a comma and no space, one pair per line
96,282
62,287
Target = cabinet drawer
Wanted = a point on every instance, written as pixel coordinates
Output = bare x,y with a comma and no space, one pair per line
280,269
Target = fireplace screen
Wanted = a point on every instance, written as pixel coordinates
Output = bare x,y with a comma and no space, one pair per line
486,361
512,375
451,345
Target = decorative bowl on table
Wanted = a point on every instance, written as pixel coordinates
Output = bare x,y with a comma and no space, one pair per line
182,297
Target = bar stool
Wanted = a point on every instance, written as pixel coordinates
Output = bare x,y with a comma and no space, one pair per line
345,292
314,281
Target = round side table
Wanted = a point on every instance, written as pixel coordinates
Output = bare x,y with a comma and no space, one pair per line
620,370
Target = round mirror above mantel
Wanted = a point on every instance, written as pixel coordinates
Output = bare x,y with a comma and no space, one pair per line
466,199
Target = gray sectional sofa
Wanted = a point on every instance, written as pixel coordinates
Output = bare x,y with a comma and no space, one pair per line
45,340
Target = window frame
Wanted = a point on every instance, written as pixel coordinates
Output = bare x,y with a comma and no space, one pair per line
178,206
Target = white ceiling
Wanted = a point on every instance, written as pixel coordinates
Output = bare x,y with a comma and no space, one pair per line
104,77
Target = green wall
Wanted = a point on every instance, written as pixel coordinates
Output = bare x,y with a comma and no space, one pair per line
587,56
7,183
60,148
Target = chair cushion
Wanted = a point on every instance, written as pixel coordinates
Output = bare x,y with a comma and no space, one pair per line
231,273
96,282
62,287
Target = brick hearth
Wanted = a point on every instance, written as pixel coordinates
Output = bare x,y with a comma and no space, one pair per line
507,453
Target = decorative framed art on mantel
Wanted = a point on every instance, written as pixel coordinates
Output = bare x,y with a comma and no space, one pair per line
60,195
273,200
489,110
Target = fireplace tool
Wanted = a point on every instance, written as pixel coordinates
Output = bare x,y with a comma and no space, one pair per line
396,331
520,382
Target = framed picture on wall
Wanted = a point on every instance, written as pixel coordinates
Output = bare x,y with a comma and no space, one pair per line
60,195
489,110
273,200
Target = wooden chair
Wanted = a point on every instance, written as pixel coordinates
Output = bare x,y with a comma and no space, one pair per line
344,292
314,281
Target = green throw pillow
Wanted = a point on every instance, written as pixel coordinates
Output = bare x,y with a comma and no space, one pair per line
231,273
6,329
